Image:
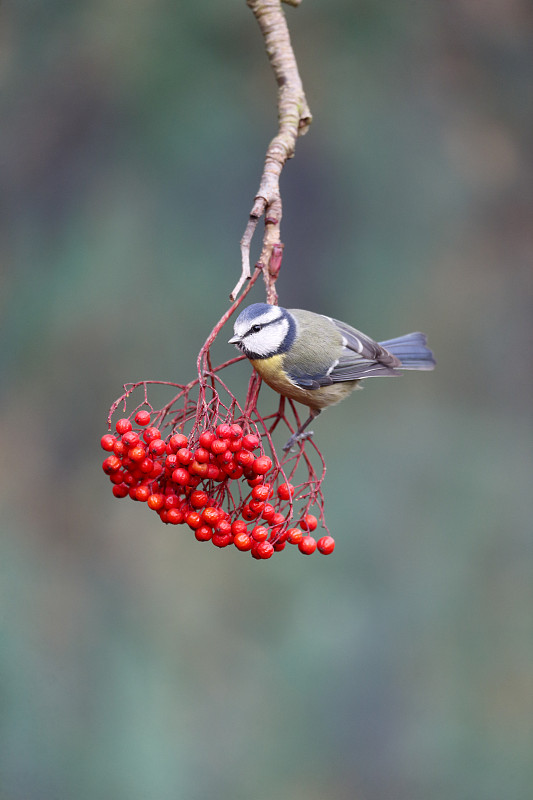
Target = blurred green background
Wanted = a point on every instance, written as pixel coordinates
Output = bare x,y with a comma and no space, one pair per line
136,663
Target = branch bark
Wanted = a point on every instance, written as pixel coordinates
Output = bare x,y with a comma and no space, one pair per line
294,119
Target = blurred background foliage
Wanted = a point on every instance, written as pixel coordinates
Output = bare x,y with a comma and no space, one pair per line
136,663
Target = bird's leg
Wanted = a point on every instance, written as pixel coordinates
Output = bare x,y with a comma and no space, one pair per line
301,433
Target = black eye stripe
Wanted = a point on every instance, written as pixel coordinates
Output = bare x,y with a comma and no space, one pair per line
257,328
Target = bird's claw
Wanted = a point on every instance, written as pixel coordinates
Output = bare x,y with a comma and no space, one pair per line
296,438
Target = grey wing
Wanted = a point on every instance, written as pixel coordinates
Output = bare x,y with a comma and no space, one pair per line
361,356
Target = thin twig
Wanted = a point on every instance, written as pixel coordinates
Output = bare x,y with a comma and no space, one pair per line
202,364
294,118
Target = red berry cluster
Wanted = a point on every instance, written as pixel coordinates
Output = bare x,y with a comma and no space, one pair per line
212,481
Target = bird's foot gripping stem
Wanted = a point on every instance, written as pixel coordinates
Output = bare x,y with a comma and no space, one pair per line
301,434
295,438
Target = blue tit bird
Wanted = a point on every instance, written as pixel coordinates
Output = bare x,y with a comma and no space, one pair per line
317,360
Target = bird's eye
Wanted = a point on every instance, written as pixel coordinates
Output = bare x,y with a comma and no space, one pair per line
256,328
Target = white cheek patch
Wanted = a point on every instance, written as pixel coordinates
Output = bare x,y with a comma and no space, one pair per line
267,341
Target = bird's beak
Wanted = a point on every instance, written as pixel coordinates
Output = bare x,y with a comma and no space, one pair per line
234,340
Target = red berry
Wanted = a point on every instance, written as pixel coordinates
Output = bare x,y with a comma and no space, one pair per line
201,455
142,493
326,545
250,442
206,439
171,462
235,445
256,506
121,490
277,519
224,526
261,492
142,417
200,470
116,477
214,473
244,458
260,533
242,541
219,446
308,522
111,464
294,535
261,465
146,465
225,458
150,434
181,476
255,481
184,456
235,431
193,519
172,501
157,470
123,426
156,501
247,512
211,515
178,441
118,448
268,512
264,550
238,526
203,533
278,537
137,453
157,447
198,499
279,546
107,442
131,438
233,471
174,516
285,491
307,545
221,539
223,431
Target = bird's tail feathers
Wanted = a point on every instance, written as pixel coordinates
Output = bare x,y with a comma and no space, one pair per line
411,350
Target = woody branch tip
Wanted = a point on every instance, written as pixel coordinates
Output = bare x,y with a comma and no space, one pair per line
294,119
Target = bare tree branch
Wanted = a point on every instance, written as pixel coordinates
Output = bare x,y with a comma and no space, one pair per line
294,118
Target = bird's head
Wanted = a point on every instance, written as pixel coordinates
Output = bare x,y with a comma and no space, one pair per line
262,331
